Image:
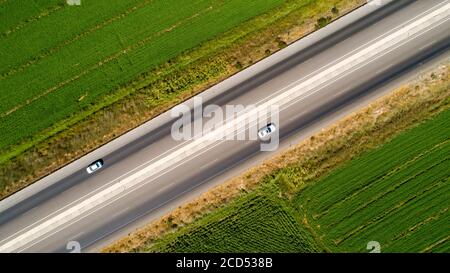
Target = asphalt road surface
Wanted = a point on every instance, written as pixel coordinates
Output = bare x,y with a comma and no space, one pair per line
168,185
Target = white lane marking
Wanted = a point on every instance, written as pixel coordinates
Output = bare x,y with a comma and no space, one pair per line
165,187
299,114
427,45
379,71
120,212
209,164
76,236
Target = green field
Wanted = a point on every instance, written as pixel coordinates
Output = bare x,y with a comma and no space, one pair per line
56,60
397,194
260,222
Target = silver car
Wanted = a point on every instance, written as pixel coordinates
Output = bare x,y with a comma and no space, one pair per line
265,132
94,166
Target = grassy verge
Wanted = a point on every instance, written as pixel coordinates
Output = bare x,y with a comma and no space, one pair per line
159,89
404,181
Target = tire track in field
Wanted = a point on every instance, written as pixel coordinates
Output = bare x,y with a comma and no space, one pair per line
44,13
371,182
107,60
49,51
398,206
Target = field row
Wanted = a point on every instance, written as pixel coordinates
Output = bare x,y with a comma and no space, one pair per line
73,23
401,152
16,14
68,34
96,50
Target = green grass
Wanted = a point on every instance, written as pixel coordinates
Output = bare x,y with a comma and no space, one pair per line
56,65
258,222
396,194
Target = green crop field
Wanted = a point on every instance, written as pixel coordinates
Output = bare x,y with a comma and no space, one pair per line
397,195
259,222
56,59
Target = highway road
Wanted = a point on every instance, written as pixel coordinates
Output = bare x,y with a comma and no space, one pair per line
41,222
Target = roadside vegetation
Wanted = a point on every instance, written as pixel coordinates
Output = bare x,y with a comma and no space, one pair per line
75,77
381,174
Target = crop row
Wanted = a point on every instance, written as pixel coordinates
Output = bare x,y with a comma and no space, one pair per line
17,13
411,179
375,189
92,52
58,28
373,165
378,213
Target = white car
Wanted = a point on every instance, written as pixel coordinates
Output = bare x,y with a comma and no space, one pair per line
265,132
94,166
